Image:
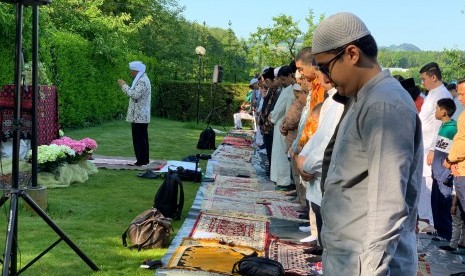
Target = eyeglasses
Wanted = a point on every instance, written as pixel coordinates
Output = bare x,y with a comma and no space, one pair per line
325,68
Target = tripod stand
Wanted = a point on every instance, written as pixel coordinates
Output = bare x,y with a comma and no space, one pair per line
15,192
213,108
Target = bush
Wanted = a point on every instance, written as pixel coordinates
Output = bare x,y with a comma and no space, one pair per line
178,100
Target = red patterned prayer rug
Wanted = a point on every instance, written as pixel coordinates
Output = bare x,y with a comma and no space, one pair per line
251,232
246,194
236,193
237,141
284,210
231,157
210,256
237,182
292,257
233,206
233,150
47,113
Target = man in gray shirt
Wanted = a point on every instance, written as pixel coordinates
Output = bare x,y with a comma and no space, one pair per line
369,207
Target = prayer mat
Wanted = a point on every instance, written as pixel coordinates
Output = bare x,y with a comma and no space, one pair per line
237,141
231,229
424,268
124,163
246,194
233,150
231,157
230,169
292,257
235,206
287,211
232,192
238,182
207,255
248,134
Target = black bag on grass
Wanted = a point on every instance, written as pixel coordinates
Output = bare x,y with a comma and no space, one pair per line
166,198
189,175
252,265
207,139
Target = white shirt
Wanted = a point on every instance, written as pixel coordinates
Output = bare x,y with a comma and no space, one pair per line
430,125
330,114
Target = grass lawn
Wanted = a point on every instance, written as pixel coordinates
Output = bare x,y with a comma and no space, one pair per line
95,214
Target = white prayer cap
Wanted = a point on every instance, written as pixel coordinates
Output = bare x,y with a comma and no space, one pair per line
336,31
276,71
137,66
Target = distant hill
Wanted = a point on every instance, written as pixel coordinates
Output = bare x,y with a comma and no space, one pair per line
405,47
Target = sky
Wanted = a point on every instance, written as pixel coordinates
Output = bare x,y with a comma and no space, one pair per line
427,24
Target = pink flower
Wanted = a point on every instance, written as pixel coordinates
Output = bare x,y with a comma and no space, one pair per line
90,143
78,146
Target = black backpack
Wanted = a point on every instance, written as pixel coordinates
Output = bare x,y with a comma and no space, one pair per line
207,139
166,198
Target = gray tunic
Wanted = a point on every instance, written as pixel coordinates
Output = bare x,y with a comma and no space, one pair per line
369,208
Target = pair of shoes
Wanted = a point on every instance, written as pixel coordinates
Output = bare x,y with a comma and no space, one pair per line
149,174
447,248
305,229
151,264
437,238
308,239
314,259
459,246
304,224
317,250
282,188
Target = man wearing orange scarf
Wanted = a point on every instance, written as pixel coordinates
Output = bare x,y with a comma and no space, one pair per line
317,96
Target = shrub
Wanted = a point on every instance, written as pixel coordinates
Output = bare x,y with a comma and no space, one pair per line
178,100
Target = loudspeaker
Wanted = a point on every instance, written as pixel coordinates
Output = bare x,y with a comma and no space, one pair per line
217,74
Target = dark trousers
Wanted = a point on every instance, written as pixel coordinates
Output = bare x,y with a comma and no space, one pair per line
268,140
140,142
441,202
319,220
459,183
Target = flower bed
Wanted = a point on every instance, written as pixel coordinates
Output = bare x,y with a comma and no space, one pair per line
65,161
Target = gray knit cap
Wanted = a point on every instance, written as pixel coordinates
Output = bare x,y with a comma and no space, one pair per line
338,30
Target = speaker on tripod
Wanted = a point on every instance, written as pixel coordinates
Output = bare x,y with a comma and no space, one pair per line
15,192
217,74
216,78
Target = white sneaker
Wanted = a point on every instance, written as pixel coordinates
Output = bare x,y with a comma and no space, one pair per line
305,229
309,239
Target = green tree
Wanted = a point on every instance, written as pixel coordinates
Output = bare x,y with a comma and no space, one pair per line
276,45
310,19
